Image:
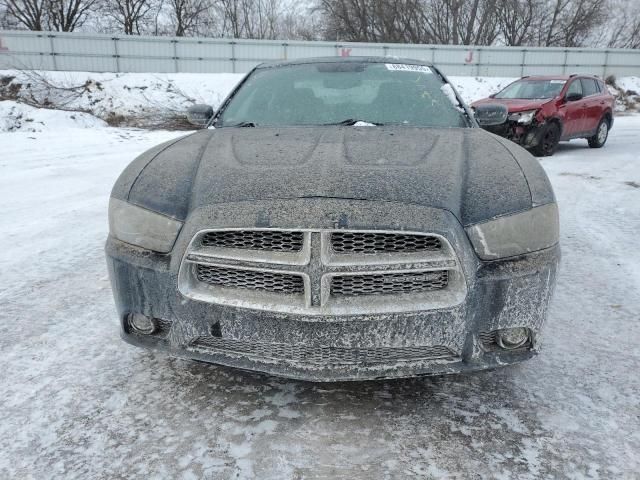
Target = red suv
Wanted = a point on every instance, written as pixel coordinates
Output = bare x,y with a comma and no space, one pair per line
546,110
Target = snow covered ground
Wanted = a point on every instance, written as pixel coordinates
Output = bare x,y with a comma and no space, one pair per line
77,402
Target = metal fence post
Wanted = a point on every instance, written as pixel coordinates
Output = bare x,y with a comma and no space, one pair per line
53,51
605,67
564,64
524,59
175,55
116,55
479,60
233,56
284,50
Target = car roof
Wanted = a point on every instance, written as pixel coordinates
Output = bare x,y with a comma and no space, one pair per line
355,59
558,77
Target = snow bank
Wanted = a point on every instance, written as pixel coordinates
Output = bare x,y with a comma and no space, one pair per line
117,97
629,84
18,116
475,88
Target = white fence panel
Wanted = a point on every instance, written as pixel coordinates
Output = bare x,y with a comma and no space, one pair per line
121,53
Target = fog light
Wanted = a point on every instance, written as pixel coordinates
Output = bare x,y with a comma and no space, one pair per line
510,338
142,324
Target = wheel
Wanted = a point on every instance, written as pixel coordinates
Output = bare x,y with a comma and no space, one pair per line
548,141
600,138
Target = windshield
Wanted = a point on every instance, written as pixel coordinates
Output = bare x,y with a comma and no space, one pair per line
532,89
347,93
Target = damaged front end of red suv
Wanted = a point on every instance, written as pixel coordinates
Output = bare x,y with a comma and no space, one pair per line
534,129
542,111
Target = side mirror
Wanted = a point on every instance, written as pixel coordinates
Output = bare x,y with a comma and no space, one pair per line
491,114
573,97
199,114
493,95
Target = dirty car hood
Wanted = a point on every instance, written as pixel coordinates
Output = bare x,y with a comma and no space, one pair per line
464,170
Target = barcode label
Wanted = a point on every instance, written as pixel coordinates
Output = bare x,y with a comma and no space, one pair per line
404,67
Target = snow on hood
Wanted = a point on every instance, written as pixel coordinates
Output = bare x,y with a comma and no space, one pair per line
464,171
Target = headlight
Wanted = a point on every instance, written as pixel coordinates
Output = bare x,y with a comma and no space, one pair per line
516,234
142,227
523,117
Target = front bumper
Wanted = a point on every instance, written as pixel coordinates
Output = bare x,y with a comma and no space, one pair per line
527,136
501,294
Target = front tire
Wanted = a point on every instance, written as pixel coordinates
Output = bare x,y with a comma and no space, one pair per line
548,141
602,133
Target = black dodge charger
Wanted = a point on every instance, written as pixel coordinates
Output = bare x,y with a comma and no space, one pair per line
336,219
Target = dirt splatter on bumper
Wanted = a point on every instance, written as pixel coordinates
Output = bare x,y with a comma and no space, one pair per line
500,294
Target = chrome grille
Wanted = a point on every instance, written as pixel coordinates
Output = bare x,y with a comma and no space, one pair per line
390,272
388,283
269,240
249,279
322,355
374,242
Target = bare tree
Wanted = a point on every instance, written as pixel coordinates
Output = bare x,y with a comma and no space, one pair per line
568,23
130,15
624,24
7,21
30,14
463,22
299,22
250,18
375,20
66,15
58,15
516,19
629,35
187,15
466,22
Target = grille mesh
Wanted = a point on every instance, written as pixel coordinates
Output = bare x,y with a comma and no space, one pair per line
371,243
380,284
276,241
489,340
250,279
323,355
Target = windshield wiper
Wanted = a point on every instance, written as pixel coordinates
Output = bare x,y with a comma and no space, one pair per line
353,121
242,124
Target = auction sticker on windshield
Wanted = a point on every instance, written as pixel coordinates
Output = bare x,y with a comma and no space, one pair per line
403,67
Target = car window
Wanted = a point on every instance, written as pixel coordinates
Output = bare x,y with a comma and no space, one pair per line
574,87
328,93
589,86
603,87
532,89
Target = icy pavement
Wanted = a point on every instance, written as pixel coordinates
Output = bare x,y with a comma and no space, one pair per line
76,402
